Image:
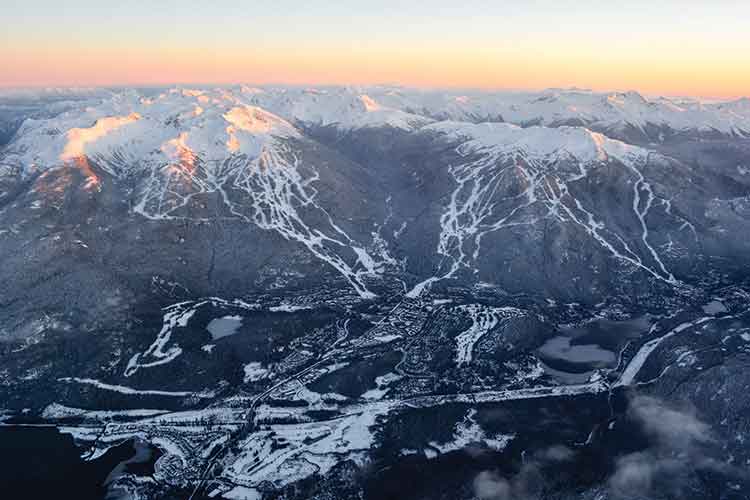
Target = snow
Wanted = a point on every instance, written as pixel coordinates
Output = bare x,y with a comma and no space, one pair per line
131,391
418,289
177,315
382,384
289,308
469,432
224,326
57,410
310,448
226,416
440,302
84,434
275,187
343,107
357,107
546,162
315,400
631,371
254,121
51,92
370,104
79,138
254,372
606,110
595,387
218,123
483,319
539,143
148,133
714,307
242,493
185,143
232,143
387,338
257,121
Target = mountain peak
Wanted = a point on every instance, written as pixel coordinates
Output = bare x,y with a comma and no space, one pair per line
208,124
536,142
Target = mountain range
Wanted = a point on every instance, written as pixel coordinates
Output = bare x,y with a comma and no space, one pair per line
317,292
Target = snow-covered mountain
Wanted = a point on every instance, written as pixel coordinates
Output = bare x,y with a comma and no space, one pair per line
618,113
312,293
183,126
350,108
174,127
268,157
608,112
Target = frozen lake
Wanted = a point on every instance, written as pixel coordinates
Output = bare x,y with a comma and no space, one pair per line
224,326
572,355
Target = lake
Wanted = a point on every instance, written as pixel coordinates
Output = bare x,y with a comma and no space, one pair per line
572,356
40,463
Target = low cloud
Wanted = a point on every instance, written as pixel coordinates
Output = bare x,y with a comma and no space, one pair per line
527,483
637,474
558,453
491,486
683,445
683,450
672,428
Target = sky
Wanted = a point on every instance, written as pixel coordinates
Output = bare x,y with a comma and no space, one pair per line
670,47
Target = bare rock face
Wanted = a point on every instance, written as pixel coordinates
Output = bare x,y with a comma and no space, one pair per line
336,292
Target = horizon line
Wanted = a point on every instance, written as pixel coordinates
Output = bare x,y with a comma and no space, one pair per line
176,84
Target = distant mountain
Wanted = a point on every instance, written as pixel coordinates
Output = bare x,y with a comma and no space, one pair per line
623,115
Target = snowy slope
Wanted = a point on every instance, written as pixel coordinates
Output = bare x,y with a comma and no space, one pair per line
540,143
343,107
351,107
555,107
214,124
177,126
181,148
511,177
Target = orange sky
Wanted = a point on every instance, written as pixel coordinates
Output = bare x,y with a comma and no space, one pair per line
559,49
